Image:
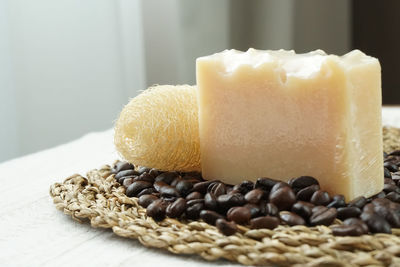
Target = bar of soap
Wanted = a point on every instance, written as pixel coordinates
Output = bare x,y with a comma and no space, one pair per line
281,115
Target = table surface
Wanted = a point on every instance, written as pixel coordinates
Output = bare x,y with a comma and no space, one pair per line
34,233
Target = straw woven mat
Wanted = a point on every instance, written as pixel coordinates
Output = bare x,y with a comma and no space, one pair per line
101,200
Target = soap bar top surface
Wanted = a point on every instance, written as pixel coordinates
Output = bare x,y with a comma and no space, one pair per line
281,115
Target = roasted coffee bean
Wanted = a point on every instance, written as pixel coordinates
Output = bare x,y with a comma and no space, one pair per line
393,219
268,222
202,186
193,210
378,224
230,200
244,187
254,209
324,218
347,230
320,198
146,191
391,166
240,215
393,196
125,173
176,181
122,179
217,189
338,201
395,178
169,191
291,218
210,216
318,209
194,201
387,173
255,196
210,201
306,193
270,209
358,202
127,182
136,187
143,169
156,209
279,185
169,199
394,153
265,183
379,195
166,177
302,208
348,212
387,188
353,221
194,195
145,177
154,172
283,198
122,166
184,187
177,208
146,200
389,181
225,227
194,174
157,185
303,182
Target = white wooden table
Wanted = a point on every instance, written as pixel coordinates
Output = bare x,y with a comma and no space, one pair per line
34,233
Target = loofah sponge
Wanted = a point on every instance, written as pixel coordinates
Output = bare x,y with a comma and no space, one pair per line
159,129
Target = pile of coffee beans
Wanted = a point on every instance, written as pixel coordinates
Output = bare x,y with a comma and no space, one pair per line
266,203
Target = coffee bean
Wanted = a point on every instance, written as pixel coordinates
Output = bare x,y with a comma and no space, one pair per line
268,222
154,172
176,181
389,181
391,166
395,153
225,227
393,219
240,215
122,166
353,221
244,187
125,173
270,209
387,173
136,187
177,208
227,201
210,216
146,191
279,185
143,169
347,230
387,188
146,200
184,187
232,192
320,198
145,177
156,209
166,177
358,202
393,196
302,208
306,193
265,183
202,186
254,209
194,201
348,212
303,182
127,182
283,198
210,201
169,199
255,195
217,189
194,195
318,209
291,218
158,185
377,224
193,210
338,201
324,218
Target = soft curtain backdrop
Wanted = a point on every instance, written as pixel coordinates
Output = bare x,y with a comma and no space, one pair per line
67,67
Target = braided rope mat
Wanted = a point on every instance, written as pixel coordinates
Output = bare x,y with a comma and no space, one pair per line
100,199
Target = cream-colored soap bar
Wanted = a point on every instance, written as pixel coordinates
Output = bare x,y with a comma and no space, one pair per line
279,114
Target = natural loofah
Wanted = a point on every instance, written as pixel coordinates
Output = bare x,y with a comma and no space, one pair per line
159,128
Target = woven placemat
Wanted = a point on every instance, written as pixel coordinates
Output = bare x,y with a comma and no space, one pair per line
101,200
